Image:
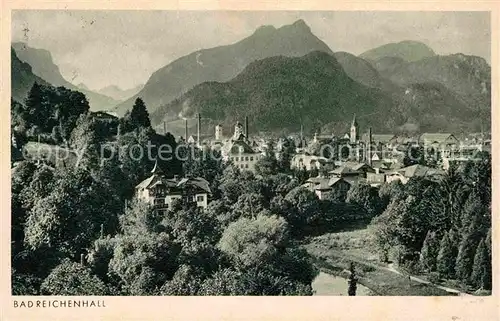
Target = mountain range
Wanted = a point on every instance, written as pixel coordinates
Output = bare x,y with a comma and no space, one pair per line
224,62
407,50
285,77
43,66
22,77
119,94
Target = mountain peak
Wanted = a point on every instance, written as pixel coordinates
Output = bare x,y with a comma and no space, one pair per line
301,24
225,62
408,50
297,25
265,29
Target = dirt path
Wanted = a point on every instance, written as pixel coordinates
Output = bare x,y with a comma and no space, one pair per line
391,268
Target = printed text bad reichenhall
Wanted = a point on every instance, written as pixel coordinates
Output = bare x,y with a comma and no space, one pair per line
59,304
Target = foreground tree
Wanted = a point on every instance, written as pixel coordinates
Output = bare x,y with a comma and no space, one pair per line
445,262
429,252
481,269
70,278
139,116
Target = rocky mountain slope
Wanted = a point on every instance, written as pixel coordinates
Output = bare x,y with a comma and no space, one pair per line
225,62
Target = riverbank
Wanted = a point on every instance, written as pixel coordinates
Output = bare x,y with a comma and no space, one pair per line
333,253
328,284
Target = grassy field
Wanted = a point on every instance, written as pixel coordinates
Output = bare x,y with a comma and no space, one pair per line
333,253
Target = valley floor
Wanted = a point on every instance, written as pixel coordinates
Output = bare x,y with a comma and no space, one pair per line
333,252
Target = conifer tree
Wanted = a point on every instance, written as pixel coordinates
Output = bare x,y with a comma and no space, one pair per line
481,270
487,243
429,252
465,258
34,105
445,259
139,115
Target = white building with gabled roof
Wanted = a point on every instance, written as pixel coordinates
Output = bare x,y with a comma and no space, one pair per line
238,150
160,191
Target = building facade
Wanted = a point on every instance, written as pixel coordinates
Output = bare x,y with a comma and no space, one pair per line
160,192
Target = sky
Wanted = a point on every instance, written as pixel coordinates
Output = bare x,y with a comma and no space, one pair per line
123,48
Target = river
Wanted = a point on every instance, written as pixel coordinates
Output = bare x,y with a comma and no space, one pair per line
327,284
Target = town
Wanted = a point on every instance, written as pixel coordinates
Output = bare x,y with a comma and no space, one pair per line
362,171
271,165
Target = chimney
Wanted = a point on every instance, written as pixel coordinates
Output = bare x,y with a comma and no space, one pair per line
198,129
246,127
186,130
164,128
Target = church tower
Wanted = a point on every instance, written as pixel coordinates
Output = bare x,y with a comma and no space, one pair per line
238,131
218,132
354,131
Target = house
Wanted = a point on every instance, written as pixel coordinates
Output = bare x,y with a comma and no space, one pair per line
160,191
438,140
404,174
352,172
308,162
375,179
239,152
322,186
105,115
378,139
398,141
345,172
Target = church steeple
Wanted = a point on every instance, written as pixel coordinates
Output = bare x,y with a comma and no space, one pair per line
156,169
354,131
354,121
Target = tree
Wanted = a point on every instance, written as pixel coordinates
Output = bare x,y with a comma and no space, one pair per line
35,110
223,282
445,262
304,210
254,242
75,201
481,269
71,278
429,252
353,280
186,281
365,196
84,139
99,257
248,205
286,154
144,262
267,165
390,191
465,258
139,116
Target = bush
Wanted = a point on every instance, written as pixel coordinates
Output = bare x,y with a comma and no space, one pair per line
434,277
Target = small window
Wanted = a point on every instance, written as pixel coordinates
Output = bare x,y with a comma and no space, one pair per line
251,158
159,201
237,158
199,198
246,158
246,165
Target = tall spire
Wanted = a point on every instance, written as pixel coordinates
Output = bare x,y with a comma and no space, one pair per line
354,122
156,169
198,125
